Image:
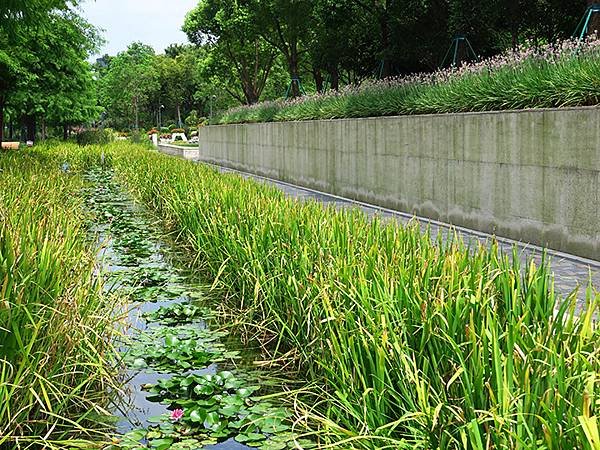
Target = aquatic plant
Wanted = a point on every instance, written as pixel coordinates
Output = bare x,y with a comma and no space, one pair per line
176,415
199,409
418,342
225,405
168,349
179,314
413,340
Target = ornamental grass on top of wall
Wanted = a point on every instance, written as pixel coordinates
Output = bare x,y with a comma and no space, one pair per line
562,75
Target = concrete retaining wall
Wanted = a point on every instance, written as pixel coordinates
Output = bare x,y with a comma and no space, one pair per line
529,175
174,150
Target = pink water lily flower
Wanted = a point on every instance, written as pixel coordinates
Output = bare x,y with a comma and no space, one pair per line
176,415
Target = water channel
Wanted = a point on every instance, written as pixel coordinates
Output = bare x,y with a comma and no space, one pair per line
188,384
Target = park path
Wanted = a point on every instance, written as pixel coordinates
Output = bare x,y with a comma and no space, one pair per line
570,271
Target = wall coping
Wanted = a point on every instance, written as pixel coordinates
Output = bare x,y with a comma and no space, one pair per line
180,147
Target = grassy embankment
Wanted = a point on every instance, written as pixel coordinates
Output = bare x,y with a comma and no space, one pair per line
418,344
55,324
547,78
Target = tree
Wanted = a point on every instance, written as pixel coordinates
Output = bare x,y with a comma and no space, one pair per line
14,14
177,77
480,22
238,52
381,12
218,86
17,17
55,81
127,84
9,70
139,87
340,42
551,20
286,24
346,41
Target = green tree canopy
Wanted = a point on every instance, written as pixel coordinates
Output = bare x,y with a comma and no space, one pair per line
45,75
238,53
16,13
128,84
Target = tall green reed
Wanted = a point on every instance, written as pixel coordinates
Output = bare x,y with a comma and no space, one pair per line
418,342
55,322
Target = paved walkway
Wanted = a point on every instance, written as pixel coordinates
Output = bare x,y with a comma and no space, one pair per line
570,272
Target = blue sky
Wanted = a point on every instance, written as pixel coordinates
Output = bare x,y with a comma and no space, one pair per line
154,22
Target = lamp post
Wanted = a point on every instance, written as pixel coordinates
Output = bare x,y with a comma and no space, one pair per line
161,107
212,99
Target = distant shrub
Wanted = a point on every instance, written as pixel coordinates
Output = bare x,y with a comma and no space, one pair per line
192,119
95,137
172,127
178,138
136,137
164,130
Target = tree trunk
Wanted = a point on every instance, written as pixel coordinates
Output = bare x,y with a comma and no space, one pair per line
1,119
43,126
11,130
335,78
65,132
137,119
250,94
514,15
30,123
386,69
178,115
319,82
294,72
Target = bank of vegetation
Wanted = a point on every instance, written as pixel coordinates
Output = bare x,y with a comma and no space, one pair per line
55,323
552,76
417,342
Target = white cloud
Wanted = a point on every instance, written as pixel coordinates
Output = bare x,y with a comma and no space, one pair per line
154,22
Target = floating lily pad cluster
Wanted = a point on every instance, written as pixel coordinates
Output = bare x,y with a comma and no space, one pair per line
181,436
221,402
129,229
150,283
179,313
220,406
200,409
174,349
